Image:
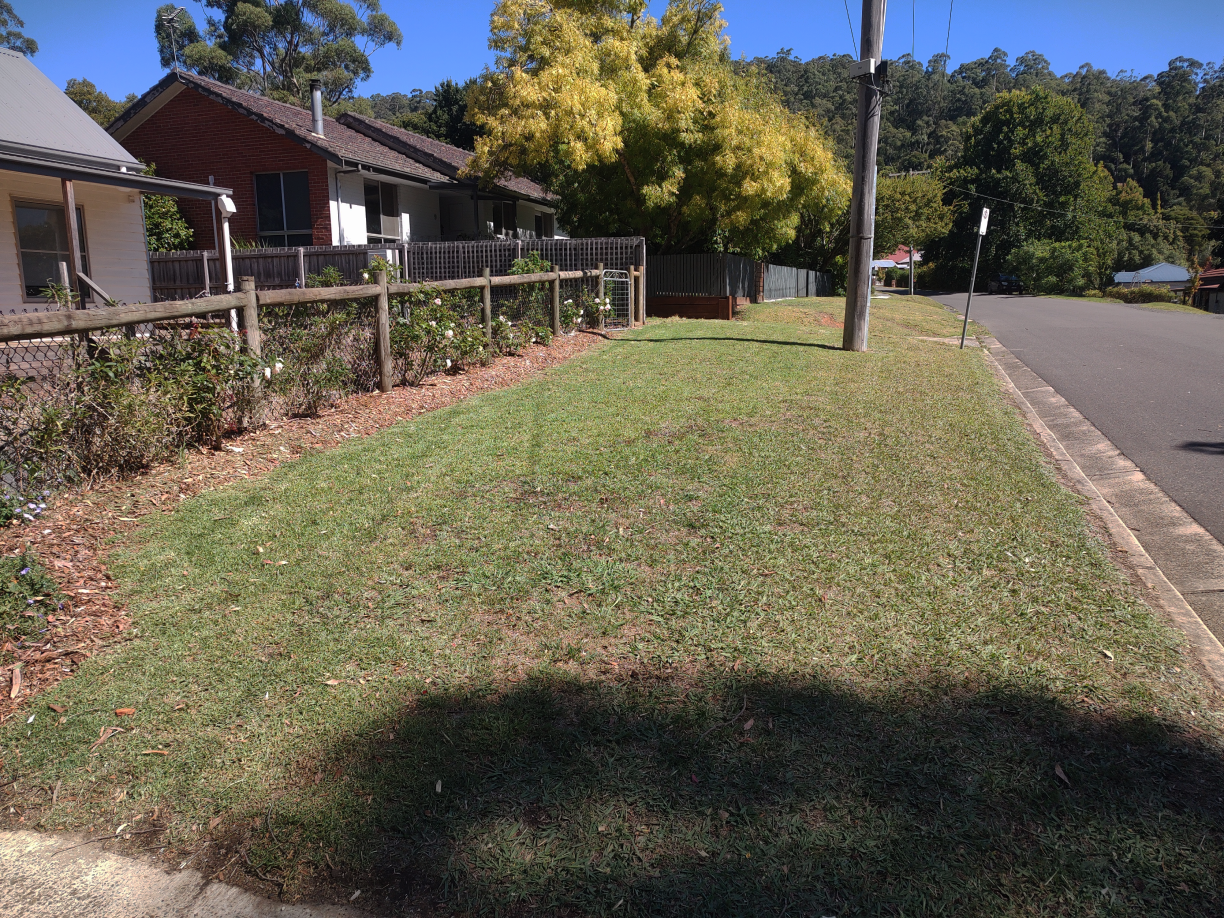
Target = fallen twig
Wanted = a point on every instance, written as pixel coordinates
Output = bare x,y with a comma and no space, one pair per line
728,723
107,838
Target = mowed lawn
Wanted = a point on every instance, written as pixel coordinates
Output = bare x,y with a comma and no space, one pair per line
715,619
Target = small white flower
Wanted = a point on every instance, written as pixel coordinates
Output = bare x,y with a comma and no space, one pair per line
437,301
433,323
267,372
607,299
569,302
279,366
449,333
448,363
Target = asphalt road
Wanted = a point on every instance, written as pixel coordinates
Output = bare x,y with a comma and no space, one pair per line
1152,381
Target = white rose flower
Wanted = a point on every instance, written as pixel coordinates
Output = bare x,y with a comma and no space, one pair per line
437,301
449,333
279,366
267,372
448,363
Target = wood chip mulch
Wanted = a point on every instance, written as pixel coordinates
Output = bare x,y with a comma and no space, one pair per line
72,538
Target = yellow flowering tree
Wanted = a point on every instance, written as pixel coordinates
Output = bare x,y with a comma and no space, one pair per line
644,126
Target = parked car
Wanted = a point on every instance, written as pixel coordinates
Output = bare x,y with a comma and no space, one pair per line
1004,283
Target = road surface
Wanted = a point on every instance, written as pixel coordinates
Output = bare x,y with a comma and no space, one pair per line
1151,380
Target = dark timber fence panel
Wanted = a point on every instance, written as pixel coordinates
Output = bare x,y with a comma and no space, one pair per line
783,283
180,275
700,275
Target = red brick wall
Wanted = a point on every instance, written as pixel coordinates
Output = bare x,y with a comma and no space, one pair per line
192,137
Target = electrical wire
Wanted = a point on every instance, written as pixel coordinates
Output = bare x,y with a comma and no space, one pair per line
1071,213
948,40
853,43
913,27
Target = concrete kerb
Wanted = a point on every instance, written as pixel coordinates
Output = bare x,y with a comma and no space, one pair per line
1124,482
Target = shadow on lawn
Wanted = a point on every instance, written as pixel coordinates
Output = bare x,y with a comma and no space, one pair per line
733,339
764,797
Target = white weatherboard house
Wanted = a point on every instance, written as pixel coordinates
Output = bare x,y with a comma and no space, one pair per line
71,199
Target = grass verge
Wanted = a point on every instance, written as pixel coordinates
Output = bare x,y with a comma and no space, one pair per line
714,619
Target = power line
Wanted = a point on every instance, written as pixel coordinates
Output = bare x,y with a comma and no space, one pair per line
948,40
913,27
1071,213
853,44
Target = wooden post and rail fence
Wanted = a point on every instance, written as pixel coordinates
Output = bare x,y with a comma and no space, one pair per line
45,325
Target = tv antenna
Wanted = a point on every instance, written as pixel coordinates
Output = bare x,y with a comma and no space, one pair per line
170,20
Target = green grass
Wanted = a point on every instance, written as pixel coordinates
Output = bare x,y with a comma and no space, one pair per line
1167,307
715,619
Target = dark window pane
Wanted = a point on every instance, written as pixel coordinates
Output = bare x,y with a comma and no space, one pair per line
372,205
39,269
269,206
41,228
300,239
510,217
539,226
497,218
297,201
390,200
272,242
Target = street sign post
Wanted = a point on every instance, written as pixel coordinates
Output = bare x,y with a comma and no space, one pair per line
973,274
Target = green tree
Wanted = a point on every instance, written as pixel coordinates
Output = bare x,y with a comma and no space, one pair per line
444,117
910,211
1053,267
642,125
275,47
11,36
95,103
1028,156
166,229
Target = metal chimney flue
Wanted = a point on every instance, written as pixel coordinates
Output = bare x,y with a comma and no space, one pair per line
316,106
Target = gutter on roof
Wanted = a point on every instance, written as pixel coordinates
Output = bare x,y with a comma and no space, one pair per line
95,176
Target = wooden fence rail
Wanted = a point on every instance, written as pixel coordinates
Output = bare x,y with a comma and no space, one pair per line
42,325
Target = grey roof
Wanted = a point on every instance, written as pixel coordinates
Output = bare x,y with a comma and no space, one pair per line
37,120
441,156
1161,273
339,144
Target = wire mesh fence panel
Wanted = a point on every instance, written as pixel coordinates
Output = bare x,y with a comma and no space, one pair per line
617,294
314,354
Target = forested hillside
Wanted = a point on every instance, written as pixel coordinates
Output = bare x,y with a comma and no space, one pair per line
1164,132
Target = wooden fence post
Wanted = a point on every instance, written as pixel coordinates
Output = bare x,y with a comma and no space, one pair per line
600,294
556,303
301,267
642,288
250,317
382,334
486,304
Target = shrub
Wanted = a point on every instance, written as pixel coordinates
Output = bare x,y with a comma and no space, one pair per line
1052,268
421,344
26,592
1146,293
316,353
330,276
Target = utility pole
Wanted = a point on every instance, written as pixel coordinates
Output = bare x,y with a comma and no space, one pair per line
862,206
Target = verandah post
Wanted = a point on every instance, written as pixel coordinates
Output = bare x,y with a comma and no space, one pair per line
486,304
382,333
630,291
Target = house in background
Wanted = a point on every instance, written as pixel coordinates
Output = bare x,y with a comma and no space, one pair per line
72,207
301,179
1175,277
1210,293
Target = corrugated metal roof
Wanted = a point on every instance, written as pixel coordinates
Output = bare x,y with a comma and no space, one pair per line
1157,273
37,116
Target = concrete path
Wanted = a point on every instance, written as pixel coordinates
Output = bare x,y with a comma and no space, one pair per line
87,882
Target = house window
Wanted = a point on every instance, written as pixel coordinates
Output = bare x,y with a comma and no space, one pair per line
282,209
505,218
42,238
382,212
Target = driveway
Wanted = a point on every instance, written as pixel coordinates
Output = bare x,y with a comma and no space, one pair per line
1152,381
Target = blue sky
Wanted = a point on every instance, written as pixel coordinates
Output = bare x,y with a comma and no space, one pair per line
111,41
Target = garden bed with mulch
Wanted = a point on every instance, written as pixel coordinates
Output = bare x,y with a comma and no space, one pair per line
71,538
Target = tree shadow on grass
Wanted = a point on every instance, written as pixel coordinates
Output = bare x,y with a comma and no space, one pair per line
735,339
761,796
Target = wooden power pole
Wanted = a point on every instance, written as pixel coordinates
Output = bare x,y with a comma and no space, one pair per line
862,205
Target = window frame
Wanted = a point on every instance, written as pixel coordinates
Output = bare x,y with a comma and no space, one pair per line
382,237
16,201
284,233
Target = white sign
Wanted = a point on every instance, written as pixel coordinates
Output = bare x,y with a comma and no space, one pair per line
985,217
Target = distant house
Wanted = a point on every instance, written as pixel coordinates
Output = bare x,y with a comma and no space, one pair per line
1210,293
301,179
1175,277
900,258
73,208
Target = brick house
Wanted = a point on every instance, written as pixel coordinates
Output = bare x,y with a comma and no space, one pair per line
300,178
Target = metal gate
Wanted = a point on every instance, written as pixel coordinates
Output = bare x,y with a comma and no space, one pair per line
616,289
